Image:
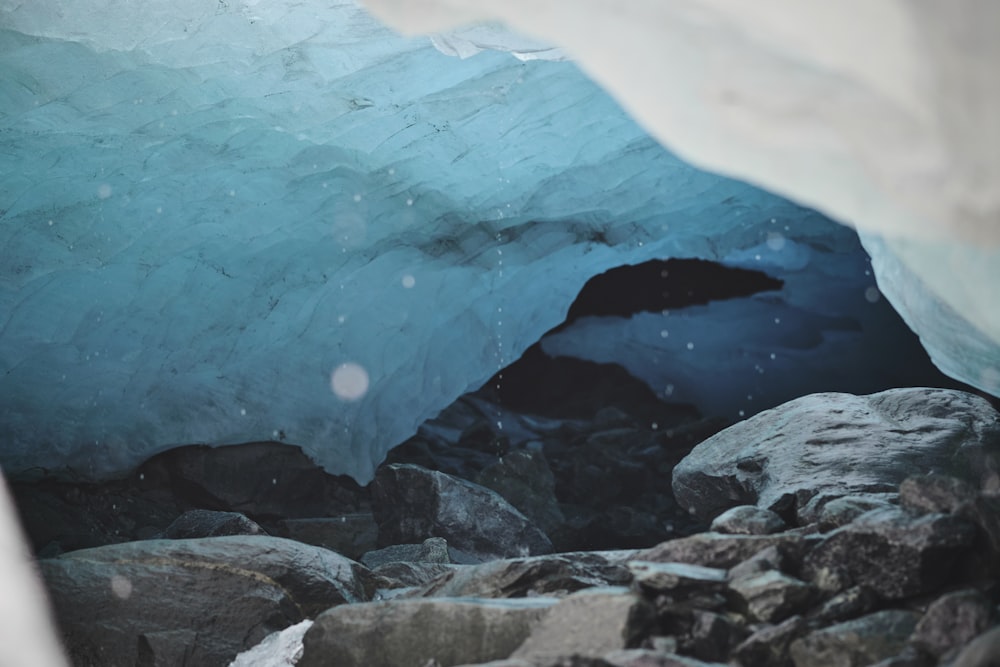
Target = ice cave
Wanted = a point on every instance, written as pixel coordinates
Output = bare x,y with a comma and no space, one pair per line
321,223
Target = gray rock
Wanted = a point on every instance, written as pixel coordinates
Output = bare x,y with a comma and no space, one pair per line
589,624
556,574
352,534
748,520
952,621
451,631
525,480
191,602
646,658
847,604
935,493
431,550
765,560
910,656
392,576
856,643
891,551
772,597
768,647
841,511
719,550
834,444
207,523
411,503
677,578
983,651
712,636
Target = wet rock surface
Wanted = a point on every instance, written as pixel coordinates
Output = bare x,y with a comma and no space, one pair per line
900,572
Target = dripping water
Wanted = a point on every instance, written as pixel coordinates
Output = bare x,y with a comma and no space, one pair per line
500,441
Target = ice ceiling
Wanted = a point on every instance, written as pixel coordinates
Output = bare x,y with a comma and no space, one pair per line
236,220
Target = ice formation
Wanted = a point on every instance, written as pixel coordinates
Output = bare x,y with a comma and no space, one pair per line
240,220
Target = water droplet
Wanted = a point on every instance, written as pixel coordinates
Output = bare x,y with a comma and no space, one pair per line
243,412
872,295
777,320
775,241
409,202
104,191
357,196
774,356
664,333
690,346
121,587
349,381
409,281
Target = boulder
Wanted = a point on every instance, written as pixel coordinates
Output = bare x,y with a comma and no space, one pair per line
893,552
952,621
208,523
836,444
278,649
431,550
524,479
720,550
841,511
191,602
772,596
556,574
677,578
942,494
856,643
588,624
748,520
411,503
450,631
983,651
768,646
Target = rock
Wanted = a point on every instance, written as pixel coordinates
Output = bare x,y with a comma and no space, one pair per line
855,643
411,503
894,553
261,480
207,523
772,596
935,493
748,520
712,636
524,479
845,605
648,658
910,656
983,651
768,647
677,578
197,601
952,621
719,550
432,550
765,560
834,444
279,649
556,574
588,623
352,535
451,631
393,576
841,511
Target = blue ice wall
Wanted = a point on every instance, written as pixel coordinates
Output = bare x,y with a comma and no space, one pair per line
243,226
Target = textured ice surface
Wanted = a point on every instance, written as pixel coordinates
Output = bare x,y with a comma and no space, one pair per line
883,115
234,221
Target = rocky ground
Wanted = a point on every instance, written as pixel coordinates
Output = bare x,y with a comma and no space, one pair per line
833,530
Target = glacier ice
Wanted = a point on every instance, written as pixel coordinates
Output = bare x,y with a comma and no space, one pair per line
882,115
238,220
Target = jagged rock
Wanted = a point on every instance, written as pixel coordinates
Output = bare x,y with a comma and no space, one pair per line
845,605
411,503
983,651
524,479
393,576
855,643
589,624
748,520
431,550
768,647
712,636
720,550
677,578
835,444
841,511
260,480
451,631
352,535
556,574
935,493
765,560
192,602
891,551
952,621
773,596
279,649
207,523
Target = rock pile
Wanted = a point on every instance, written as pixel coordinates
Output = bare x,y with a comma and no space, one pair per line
879,545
